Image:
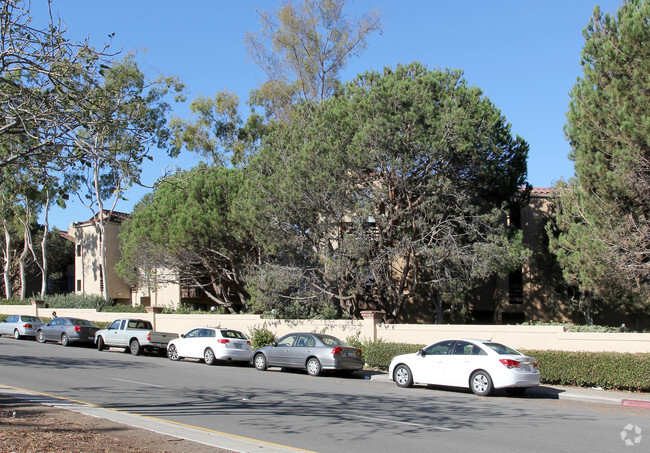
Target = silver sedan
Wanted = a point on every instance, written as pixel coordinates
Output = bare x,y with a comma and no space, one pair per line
311,351
20,326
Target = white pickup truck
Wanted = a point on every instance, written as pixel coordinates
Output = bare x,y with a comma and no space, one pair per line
135,334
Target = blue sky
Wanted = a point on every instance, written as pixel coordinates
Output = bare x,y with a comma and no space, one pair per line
524,56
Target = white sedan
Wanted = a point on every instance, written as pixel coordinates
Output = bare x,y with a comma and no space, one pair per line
211,344
476,364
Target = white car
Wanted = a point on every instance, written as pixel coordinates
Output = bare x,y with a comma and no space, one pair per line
476,364
211,344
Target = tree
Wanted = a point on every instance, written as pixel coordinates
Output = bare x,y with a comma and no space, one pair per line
41,72
393,186
604,217
124,117
304,51
186,227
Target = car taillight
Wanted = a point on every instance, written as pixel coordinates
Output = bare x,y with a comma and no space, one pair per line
509,363
535,364
337,350
249,343
223,341
359,351
27,326
77,329
149,336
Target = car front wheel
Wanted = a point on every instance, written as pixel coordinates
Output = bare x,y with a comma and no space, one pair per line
481,383
313,367
402,376
260,362
172,352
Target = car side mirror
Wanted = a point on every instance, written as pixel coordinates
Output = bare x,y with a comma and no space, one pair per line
182,335
275,344
422,352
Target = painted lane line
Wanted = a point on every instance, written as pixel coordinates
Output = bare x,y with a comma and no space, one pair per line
397,423
140,383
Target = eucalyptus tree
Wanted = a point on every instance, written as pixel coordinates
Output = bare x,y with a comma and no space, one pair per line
603,219
41,72
124,119
394,186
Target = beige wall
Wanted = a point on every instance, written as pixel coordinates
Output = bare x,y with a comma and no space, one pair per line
524,337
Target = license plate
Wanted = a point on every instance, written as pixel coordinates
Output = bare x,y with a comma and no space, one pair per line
350,354
525,368
237,346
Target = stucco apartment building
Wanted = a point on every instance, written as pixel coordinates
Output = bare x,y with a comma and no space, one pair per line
521,297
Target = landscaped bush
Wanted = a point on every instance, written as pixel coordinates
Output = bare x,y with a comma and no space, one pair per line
120,308
261,336
15,301
77,301
608,370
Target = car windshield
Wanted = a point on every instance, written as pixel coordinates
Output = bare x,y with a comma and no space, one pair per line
330,341
502,349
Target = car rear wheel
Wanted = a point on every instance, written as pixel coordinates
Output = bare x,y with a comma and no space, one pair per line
481,383
40,337
208,357
135,347
100,344
313,367
17,335
260,362
402,376
65,341
172,352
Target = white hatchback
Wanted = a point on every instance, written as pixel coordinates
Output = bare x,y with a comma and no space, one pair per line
480,365
211,344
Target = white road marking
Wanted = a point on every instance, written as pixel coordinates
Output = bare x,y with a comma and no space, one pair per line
398,423
141,383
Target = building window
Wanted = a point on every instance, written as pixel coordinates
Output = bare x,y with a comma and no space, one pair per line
101,280
78,285
516,288
79,250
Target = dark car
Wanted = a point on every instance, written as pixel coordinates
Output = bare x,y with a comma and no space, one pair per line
311,351
67,330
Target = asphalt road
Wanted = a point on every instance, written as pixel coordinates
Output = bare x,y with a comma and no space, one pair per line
324,414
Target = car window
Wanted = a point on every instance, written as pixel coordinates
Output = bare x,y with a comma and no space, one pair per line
501,349
115,325
287,341
463,348
212,333
441,348
82,322
123,324
193,333
305,341
31,319
233,334
11,319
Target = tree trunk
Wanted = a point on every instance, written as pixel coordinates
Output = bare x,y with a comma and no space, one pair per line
7,259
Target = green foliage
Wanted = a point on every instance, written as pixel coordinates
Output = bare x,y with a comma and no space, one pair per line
602,224
121,308
77,301
608,370
405,166
185,309
15,301
261,336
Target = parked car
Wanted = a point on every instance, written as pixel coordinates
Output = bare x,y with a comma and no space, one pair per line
67,330
211,345
476,364
311,351
135,334
20,326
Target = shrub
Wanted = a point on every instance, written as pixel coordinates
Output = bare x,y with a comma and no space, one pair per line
15,301
77,301
120,308
261,336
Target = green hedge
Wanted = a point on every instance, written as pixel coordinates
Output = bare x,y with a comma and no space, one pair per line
608,370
